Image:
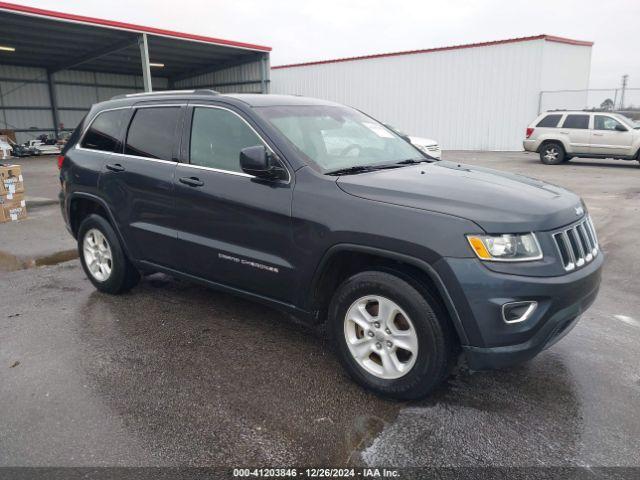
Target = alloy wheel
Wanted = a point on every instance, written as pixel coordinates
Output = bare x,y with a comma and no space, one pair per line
381,337
551,153
97,255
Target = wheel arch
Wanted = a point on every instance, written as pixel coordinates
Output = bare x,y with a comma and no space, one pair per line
559,141
344,260
81,204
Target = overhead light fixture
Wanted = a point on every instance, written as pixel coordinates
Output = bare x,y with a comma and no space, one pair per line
7,49
159,65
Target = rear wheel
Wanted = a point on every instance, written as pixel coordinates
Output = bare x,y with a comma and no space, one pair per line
103,258
390,337
552,153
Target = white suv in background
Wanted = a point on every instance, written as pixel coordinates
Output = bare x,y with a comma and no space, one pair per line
558,136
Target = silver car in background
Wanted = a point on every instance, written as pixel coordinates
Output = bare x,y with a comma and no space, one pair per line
559,136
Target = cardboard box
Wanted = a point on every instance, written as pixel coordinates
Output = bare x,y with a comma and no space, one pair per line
10,134
13,209
11,181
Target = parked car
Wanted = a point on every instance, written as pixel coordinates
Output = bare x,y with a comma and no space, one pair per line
426,145
559,136
406,260
38,147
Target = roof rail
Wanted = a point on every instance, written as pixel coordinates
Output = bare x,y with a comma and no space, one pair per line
167,92
585,110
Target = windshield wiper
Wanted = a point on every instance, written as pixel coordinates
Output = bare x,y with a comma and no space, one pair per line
352,170
412,161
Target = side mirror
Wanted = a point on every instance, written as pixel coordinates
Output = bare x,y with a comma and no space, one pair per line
260,163
620,128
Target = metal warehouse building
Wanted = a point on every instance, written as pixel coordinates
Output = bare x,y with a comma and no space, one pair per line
468,97
54,66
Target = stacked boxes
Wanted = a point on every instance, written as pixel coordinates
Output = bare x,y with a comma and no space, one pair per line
12,203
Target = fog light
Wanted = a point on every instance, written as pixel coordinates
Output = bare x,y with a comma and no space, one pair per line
516,312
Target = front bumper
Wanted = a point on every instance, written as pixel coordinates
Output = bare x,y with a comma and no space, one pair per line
479,293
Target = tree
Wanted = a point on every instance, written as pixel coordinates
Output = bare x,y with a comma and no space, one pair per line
607,104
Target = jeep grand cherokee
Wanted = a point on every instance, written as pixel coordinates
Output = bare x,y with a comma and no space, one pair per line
321,211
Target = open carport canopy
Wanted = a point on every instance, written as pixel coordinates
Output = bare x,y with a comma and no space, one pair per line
60,41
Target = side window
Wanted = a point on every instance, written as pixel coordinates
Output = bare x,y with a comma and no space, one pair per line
576,121
217,136
152,132
105,130
602,122
550,121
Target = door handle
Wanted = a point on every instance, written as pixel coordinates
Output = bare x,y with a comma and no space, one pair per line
598,134
565,133
191,181
114,167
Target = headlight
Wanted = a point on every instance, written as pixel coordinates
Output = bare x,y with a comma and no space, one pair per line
506,247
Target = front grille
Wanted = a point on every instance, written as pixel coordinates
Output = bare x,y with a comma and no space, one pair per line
578,244
433,148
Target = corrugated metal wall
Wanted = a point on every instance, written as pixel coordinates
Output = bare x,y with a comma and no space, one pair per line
246,78
478,98
25,103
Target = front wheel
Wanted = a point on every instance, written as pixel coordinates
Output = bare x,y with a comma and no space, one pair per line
552,154
390,337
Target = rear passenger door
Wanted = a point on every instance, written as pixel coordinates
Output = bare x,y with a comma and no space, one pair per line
137,183
234,229
576,128
607,140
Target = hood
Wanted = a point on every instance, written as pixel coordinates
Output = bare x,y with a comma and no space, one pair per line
427,142
498,202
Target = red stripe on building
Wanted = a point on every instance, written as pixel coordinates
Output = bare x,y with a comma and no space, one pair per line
548,38
23,9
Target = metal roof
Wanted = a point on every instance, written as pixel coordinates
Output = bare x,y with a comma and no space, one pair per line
548,38
60,41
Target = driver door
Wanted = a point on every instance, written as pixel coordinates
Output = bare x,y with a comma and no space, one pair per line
234,229
608,138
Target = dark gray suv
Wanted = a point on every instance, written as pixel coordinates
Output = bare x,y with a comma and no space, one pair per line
321,211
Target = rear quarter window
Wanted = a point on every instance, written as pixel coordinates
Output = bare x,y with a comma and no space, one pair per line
105,131
75,135
576,121
550,121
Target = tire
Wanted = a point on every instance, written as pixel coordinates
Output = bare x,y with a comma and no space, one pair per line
552,153
429,334
112,272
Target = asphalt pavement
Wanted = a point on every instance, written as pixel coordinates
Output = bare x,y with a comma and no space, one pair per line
175,374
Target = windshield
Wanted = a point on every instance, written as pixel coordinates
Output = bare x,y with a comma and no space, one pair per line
336,137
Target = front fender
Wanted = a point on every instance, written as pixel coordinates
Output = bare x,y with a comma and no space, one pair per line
422,265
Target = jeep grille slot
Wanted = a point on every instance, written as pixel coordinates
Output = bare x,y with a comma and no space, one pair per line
577,245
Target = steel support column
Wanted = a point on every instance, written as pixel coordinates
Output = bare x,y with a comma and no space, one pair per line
54,103
264,84
144,56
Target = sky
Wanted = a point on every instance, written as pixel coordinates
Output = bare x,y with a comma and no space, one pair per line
300,31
